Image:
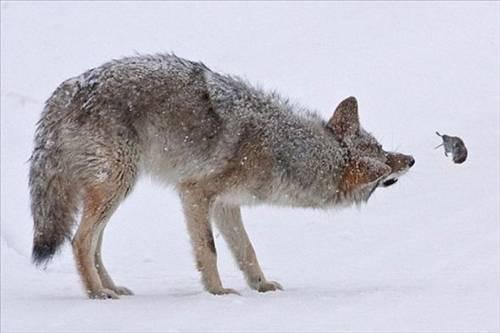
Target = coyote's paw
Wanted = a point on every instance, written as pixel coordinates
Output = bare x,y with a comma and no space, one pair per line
223,291
122,291
103,294
265,286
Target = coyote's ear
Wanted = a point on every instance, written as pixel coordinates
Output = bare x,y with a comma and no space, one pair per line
345,119
362,171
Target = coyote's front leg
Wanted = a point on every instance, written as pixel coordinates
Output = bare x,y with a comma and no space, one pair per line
197,204
228,220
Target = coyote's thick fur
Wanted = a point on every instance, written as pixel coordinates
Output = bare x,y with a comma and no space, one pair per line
220,141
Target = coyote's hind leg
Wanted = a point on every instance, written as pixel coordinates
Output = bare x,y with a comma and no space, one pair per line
99,202
106,280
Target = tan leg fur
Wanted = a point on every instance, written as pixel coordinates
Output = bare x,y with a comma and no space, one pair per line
106,280
197,205
100,202
228,220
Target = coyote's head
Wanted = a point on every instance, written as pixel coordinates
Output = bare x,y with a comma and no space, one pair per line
368,166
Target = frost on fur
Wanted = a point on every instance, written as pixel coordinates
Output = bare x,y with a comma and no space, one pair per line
220,141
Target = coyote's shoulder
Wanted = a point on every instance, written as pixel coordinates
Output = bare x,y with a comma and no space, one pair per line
220,141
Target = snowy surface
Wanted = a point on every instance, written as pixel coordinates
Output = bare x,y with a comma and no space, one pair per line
423,255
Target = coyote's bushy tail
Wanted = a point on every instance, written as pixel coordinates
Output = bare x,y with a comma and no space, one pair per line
53,197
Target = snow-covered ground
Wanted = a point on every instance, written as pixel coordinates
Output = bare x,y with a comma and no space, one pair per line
423,255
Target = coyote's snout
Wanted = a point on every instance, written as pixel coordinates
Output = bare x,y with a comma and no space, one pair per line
399,164
221,142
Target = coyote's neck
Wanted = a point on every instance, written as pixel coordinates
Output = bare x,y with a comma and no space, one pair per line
293,158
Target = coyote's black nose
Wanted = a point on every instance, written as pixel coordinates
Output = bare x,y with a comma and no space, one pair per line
412,162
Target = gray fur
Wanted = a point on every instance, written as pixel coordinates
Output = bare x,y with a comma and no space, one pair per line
200,131
455,146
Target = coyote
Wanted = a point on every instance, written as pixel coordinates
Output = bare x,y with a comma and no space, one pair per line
220,141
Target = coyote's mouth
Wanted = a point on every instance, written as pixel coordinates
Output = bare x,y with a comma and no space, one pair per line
393,178
389,182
